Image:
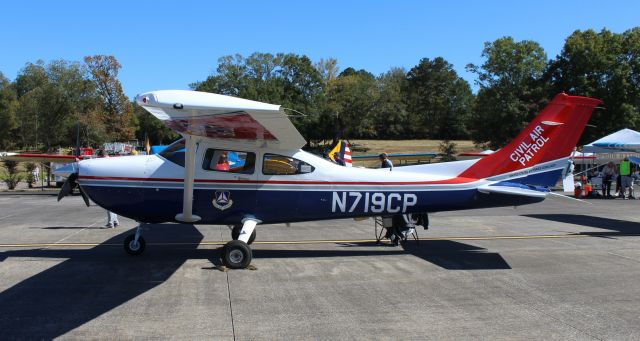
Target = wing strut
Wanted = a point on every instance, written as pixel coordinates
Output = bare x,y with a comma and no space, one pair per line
187,198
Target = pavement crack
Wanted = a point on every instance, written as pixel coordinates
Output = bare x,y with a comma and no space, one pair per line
556,318
621,256
233,328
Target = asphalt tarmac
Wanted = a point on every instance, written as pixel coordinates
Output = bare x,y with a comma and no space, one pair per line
556,270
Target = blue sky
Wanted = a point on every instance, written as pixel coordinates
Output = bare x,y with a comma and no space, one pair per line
167,45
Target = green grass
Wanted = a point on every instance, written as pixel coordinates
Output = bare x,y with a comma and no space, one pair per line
367,147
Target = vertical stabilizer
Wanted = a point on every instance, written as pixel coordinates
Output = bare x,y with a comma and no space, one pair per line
551,135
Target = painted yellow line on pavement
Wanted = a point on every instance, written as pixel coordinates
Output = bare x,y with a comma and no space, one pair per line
299,242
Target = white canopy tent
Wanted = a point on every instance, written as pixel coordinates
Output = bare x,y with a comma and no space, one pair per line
615,147
622,141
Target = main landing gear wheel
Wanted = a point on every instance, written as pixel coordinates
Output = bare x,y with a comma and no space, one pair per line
132,247
235,234
236,254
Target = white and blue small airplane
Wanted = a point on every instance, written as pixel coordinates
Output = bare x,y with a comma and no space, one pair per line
272,180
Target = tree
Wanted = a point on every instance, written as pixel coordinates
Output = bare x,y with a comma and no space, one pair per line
439,98
29,83
118,111
328,69
152,128
12,177
50,96
8,106
52,99
351,98
512,90
390,116
286,79
448,151
603,65
29,167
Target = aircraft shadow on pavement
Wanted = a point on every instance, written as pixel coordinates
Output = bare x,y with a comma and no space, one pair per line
446,254
621,227
89,283
65,227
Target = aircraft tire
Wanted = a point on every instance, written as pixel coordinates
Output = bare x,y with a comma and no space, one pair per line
236,254
130,248
235,234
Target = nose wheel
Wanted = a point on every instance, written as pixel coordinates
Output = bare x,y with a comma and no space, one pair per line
134,244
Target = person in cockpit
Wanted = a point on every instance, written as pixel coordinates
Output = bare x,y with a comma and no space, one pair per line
223,163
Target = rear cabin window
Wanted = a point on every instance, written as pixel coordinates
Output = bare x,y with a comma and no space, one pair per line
230,161
175,152
284,165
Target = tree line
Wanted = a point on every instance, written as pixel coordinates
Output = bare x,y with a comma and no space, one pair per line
429,101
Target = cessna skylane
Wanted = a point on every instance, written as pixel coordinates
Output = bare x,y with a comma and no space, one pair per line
240,163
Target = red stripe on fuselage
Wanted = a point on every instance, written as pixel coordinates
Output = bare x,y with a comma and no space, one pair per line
451,181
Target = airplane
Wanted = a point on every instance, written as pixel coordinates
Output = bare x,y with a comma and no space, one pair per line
278,182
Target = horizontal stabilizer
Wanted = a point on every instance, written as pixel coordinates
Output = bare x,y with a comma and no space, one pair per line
511,190
566,197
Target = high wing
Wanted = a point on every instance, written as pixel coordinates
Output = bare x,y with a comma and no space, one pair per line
231,121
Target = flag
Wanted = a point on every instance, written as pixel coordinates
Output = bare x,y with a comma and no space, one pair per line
147,144
344,152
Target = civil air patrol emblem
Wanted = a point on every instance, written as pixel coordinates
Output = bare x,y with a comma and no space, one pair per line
222,200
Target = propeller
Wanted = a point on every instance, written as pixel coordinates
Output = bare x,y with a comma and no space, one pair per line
66,189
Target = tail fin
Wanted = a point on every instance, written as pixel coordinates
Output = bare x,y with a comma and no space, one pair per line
551,136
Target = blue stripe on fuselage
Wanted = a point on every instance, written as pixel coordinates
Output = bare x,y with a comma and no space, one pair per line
545,179
156,205
147,203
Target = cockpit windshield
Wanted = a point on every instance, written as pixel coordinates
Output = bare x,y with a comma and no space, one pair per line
175,152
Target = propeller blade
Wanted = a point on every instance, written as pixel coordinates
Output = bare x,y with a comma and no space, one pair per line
84,197
66,187
64,191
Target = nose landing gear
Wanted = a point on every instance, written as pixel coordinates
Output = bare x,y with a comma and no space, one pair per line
134,244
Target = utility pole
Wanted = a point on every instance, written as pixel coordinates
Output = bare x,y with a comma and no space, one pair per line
78,139
36,130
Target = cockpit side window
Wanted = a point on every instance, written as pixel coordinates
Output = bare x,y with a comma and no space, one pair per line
273,164
175,152
230,161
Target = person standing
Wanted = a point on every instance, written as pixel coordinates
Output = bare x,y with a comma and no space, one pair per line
338,159
36,174
112,218
608,174
385,162
625,178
